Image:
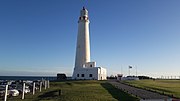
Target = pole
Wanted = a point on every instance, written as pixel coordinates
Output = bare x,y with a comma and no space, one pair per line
45,84
129,69
23,90
121,70
5,95
34,86
48,83
136,71
40,86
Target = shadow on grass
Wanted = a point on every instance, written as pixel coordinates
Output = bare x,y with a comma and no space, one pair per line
49,94
68,83
118,94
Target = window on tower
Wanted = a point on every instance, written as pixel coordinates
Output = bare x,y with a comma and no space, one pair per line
90,75
77,75
82,75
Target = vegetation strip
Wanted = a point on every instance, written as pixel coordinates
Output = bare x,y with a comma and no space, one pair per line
85,90
166,87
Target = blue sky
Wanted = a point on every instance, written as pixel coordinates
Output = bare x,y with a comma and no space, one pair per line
38,37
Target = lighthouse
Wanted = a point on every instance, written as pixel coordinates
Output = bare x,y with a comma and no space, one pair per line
84,68
83,44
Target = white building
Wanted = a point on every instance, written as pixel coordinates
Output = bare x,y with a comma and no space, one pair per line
84,68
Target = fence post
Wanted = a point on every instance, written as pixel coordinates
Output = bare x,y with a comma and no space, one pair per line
40,86
45,84
60,92
23,89
5,95
48,84
34,88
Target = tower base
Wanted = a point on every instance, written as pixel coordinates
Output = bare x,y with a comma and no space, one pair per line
89,73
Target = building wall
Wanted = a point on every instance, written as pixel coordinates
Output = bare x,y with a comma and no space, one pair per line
102,73
98,73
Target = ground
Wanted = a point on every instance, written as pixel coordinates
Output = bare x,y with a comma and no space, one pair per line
79,91
169,87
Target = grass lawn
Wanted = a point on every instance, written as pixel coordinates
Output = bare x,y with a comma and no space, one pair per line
167,86
90,90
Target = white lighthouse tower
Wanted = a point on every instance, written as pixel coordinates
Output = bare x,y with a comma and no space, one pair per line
84,68
83,44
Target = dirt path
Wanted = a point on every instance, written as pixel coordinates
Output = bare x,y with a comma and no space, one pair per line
143,94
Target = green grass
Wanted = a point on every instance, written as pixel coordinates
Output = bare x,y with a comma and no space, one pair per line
168,87
90,90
